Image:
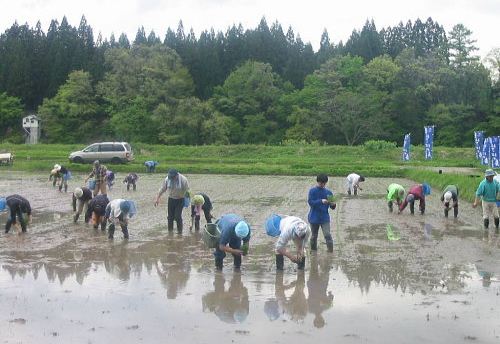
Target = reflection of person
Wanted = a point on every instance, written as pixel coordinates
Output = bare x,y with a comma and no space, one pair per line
395,195
295,306
117,213
487,191
83,195
178,188
17,205
416,192
173,276
295,229
99,174
231,306
320,299
96,209
352,183
233,229
450,194
131,179
320,199
200,202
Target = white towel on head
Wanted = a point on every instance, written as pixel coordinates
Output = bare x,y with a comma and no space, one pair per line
179,183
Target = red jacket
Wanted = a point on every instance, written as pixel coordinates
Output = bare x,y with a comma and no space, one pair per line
418,192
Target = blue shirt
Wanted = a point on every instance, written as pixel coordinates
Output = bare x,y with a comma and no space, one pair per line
227,224
319,211
488,190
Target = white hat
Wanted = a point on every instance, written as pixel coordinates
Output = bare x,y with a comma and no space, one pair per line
447,196
78,192
57,167
301,229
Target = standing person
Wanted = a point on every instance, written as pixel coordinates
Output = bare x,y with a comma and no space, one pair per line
131,179
63,176
17,205
117,213
96,209
110,177
352,182
416,192
233,229
200,202
83,195
320,199
450,193
151,166
395,195
99,174
487,191
178,188
295,229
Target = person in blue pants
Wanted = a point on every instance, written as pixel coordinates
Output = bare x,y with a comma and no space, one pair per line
320,200
233,230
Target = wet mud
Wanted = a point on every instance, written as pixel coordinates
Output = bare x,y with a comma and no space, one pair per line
391,278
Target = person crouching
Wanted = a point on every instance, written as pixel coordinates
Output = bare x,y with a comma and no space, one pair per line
96,209
295,229
130,180
117,213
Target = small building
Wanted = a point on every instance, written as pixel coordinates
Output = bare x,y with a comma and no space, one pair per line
31,125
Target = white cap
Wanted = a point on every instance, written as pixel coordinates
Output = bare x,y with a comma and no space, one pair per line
447,196
78,192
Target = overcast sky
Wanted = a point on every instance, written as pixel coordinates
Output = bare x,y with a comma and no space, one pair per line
307,18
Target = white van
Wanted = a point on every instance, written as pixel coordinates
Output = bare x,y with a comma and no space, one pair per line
113,152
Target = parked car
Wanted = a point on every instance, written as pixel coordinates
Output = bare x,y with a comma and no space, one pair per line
6,158
113,152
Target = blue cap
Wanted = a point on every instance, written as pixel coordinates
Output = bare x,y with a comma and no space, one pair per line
125,206
242,229
426,188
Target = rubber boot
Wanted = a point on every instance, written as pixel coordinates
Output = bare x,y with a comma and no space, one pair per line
65,188
60,188
75,217
125,231
134,187
314,243
412,208
486,223
329,246
422,210
128,187
111,231
218,263
179,227
389,204
103,225
497,220
8,225
355,191
301,264
237,261
455,212
197,223
349,192
280,262
446,213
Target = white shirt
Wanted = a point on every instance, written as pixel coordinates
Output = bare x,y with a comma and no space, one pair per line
115,211
353,179
287,225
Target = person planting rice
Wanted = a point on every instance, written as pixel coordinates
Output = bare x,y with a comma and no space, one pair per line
178,188
233,230
294,229
488,192
320,199
54,177
131,179
62,176
17,205
416,192
118,213
395,195
96,210
200,202
352,183
449,199
83,195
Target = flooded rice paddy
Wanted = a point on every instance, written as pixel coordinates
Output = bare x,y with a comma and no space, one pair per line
391,278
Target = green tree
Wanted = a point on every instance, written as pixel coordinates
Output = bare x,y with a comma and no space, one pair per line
11,114
461,45
134,123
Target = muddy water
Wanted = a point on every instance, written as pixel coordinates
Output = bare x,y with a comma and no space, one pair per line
391,279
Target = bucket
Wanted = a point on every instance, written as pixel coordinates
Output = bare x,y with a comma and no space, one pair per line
67,176
187,200
92,185
211,235
2,203
273,225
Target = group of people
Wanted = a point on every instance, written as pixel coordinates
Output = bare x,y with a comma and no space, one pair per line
235,231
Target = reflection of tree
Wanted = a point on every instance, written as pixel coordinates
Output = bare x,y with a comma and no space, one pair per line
231,306
320,299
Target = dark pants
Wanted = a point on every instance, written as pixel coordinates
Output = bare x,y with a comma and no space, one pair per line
12,219
220,255
175,207
455,211
206,212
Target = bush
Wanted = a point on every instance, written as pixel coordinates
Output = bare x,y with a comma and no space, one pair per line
379,145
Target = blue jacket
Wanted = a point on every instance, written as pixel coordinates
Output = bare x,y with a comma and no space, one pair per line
226,224
319,211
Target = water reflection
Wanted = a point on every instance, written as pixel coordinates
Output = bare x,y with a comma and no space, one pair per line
320,298
231,305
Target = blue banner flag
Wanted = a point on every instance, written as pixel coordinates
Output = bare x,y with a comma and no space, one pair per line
485,157
494,152
406,148
429,140
478,143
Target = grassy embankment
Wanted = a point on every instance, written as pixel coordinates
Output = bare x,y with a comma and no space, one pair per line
274,160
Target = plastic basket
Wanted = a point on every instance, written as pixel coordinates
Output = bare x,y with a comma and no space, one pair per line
273,225
67,176
187,201
211,235
92,185
2,203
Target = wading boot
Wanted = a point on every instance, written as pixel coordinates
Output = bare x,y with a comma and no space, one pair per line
349,192
197,224
237,262
218,263
75,217
389,204
455,212
128,187
111,231
103,225
179,227
497,220
329,246
280,262
60,188
65,188
412,208
8,225
446,213
134,187
355,191
125,231
301,263
314,243
486,223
